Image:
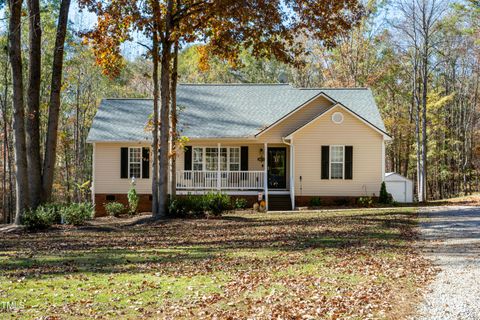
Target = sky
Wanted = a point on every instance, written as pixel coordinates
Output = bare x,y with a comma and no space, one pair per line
82,20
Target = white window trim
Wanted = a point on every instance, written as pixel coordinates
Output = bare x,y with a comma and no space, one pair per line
229,163
204,160
141,162
330,162
204,157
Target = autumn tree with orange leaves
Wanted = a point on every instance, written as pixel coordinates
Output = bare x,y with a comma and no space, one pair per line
267,28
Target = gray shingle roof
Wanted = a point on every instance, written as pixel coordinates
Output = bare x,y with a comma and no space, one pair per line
227,111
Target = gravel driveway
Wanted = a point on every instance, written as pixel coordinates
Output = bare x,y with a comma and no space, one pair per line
452,237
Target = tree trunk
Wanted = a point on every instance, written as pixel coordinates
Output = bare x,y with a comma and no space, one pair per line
15,54
164,112
54,104
425,56
6,144
173,121
155,49
416,106
33,104
164,130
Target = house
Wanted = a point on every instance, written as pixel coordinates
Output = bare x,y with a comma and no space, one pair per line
288,143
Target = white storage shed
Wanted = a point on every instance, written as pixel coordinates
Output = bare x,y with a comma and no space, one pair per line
400,187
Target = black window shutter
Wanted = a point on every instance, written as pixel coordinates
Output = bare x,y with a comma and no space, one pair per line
244,158
145,163
325,162
187,165
349,162
124,163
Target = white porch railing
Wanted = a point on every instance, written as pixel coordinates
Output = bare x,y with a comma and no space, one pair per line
223,180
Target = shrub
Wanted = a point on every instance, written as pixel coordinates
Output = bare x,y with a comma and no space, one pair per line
199,205
114,209
41,218
217,203
240,203
188,206
173,207
384,196
77,213
315,202
365,201
133,200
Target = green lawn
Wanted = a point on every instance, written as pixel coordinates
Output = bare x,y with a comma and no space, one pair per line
351,264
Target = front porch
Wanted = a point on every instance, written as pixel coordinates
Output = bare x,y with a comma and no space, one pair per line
246,169
220,180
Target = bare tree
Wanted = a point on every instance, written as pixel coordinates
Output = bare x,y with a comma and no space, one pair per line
54,105
419,26
33,103
173,122
15,56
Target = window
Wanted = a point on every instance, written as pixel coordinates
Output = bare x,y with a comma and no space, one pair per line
223,159
234,159
336,162
197,159
135,162
207,159
211,159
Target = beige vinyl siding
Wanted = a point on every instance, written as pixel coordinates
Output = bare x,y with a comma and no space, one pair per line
295,120
366,142
107,165
107,170
367,156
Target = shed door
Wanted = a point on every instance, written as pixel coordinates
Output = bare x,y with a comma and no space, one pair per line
397,189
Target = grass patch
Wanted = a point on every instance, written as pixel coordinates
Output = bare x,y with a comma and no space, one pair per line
331,264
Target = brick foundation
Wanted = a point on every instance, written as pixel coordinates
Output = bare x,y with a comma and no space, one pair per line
304,201
251,199
144,205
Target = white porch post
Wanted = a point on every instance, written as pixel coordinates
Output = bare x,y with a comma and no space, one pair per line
218,167
265,174
292,173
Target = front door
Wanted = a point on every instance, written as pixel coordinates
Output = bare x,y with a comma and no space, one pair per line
277,168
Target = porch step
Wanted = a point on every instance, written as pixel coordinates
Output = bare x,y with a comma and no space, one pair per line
279,202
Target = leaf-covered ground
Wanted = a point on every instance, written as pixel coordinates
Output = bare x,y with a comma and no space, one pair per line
351,264
469,200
